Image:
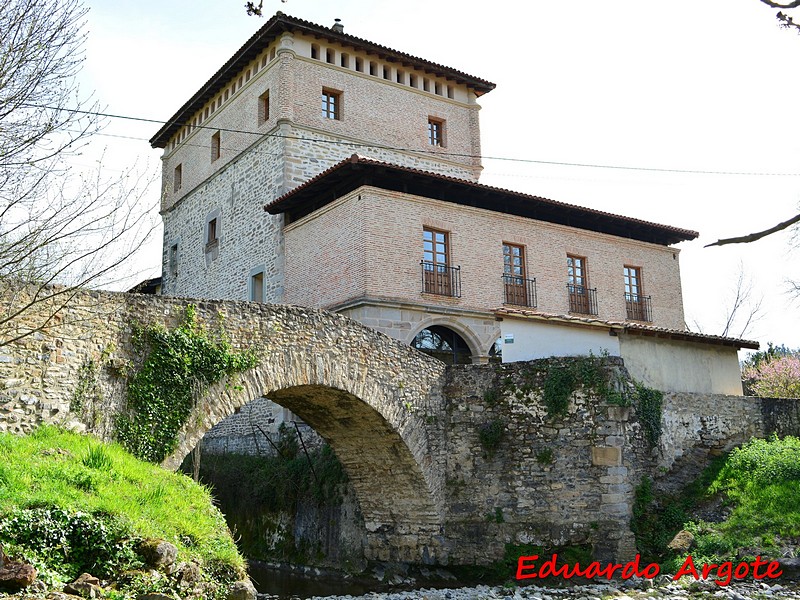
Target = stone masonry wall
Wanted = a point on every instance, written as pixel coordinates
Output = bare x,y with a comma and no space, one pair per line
571,480
406,429
550,481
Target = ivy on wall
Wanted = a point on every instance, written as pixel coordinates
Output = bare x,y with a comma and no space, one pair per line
557,379
649,405
178,365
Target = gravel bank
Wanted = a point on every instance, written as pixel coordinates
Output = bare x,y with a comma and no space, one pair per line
616,591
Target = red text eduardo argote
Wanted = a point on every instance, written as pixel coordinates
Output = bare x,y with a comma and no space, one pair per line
529,567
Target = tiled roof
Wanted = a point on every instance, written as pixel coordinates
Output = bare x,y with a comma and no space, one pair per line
355,171
627,327
272,29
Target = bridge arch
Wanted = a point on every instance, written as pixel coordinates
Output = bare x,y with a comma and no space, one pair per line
375,400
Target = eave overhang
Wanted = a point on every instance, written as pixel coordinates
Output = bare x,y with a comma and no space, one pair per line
358,171
637,329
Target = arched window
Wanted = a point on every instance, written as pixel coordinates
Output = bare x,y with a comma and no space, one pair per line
496,351
443,343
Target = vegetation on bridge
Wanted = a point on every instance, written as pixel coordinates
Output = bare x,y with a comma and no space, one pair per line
178,365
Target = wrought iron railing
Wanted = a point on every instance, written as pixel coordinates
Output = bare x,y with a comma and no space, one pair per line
638,307
519,291
582,300
441,279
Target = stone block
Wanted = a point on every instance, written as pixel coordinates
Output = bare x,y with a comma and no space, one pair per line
606,456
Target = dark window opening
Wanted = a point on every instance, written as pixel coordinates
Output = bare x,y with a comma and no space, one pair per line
443,343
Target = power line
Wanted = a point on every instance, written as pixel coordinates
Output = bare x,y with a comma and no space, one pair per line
417,150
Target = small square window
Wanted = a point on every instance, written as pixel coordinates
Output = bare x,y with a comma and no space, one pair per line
435,132
215,147
177,179
331,104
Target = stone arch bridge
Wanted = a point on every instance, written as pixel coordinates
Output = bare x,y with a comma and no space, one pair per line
406,428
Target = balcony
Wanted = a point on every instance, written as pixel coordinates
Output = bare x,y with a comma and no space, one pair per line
519,291
582,300
441,279
638,308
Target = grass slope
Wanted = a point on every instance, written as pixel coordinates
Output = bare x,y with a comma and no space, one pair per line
69,502
755,496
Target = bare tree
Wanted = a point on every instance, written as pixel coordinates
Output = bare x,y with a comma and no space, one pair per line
784,19
59,229
742,308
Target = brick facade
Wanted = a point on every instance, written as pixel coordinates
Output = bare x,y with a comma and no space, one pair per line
367,247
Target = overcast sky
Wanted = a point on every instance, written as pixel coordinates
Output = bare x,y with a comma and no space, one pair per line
639,89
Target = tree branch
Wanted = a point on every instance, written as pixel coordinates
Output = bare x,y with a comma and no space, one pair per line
794,4
745,239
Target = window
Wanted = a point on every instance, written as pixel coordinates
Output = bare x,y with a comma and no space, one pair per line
632,276
443,343
387,73
211,232
517,289
438,277
581,298
215,147
434,247
314,51
359,64
173,260
331,104
373,68
576,270
435,132
257,286
344,60
177,178
637,305
263,108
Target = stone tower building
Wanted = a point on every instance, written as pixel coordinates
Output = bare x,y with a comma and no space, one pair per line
294,100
